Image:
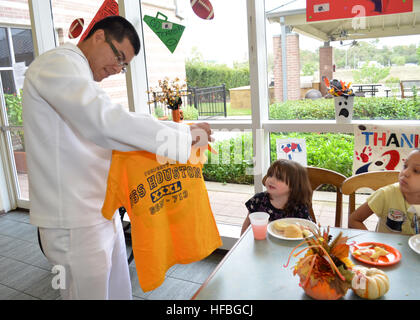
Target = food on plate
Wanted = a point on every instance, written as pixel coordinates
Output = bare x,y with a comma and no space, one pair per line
369,283
290,230
306,233
371,254
280,225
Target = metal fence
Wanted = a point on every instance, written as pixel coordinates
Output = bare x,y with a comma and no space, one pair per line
209,102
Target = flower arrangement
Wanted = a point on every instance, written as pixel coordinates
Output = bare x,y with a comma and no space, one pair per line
169,92
325,271
338,88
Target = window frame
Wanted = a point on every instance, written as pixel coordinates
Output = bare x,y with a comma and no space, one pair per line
43,36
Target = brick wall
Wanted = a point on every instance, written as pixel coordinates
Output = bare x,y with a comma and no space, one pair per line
160,61
325,66
293,67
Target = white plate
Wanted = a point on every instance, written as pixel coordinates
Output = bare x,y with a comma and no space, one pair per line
414,243
298,221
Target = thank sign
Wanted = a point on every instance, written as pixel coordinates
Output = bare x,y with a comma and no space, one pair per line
379,148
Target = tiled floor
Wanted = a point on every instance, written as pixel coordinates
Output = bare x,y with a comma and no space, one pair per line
26,274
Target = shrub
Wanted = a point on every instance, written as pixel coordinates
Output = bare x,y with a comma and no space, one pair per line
190,113
14,114
330,151
14,108
364,108
232,167
201,74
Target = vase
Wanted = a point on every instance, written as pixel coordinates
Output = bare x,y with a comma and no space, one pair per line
177,115
343,109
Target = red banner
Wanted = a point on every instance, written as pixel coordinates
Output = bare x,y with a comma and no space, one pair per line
108,8
318,10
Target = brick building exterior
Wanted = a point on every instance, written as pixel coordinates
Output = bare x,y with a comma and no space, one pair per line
293,67
325,66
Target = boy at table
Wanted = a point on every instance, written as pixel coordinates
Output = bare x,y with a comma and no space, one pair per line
393,204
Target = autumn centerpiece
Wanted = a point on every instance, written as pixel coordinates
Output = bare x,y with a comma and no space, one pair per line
169,92
325,270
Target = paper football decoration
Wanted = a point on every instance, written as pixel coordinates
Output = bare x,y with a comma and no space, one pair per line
203,9
168,32
76,28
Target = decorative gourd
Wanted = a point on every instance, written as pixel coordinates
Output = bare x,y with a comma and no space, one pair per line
369,283
325,270
321,291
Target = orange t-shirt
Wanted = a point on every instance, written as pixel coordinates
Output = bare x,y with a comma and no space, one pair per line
169,210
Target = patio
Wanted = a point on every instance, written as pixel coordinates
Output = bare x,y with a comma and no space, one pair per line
228,205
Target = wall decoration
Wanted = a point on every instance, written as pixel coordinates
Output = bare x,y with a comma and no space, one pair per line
317,10
203,9
292,149
168,32
343,99
108,8
76,28
379,148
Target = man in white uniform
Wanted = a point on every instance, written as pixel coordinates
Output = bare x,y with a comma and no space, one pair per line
71,127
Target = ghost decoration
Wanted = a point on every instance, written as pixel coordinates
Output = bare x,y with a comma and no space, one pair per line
343,99
344,108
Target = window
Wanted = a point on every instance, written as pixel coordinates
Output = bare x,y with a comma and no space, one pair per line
16,54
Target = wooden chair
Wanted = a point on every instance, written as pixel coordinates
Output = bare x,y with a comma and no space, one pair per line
372,180
320,177
407,87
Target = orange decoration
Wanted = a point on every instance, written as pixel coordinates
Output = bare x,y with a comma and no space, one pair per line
321,291
325,271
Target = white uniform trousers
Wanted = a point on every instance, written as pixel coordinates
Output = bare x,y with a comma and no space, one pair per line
93,258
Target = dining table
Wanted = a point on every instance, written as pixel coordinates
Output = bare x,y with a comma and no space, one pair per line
257,269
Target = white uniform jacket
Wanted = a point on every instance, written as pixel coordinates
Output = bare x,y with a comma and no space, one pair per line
71,127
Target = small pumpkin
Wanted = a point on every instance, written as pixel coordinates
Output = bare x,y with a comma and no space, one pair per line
369,283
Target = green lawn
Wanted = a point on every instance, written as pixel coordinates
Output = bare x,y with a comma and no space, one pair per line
237,112
230,111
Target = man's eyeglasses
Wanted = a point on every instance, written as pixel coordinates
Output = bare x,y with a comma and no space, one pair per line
118,57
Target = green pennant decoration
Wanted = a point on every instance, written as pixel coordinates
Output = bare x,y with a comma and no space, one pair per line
170,33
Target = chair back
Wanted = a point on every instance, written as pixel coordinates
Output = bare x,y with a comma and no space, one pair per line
372,180
319,177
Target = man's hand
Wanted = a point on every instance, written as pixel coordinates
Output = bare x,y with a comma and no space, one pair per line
201,134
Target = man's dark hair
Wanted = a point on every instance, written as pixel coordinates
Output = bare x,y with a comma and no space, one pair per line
117,28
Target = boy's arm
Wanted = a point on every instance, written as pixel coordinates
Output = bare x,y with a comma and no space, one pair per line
357,217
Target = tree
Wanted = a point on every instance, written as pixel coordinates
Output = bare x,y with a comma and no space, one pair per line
308,69
399,61
307,58
370,73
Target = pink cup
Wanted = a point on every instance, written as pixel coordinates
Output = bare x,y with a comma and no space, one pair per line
259,222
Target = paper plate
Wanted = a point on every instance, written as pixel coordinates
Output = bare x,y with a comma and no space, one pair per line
414,243
298,221
391,258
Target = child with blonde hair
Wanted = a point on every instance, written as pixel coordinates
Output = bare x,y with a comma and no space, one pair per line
288,195
393,204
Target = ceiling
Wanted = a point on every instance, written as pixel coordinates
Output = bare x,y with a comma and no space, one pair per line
294,13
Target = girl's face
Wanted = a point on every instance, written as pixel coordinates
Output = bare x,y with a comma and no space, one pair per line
276,187
409,177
